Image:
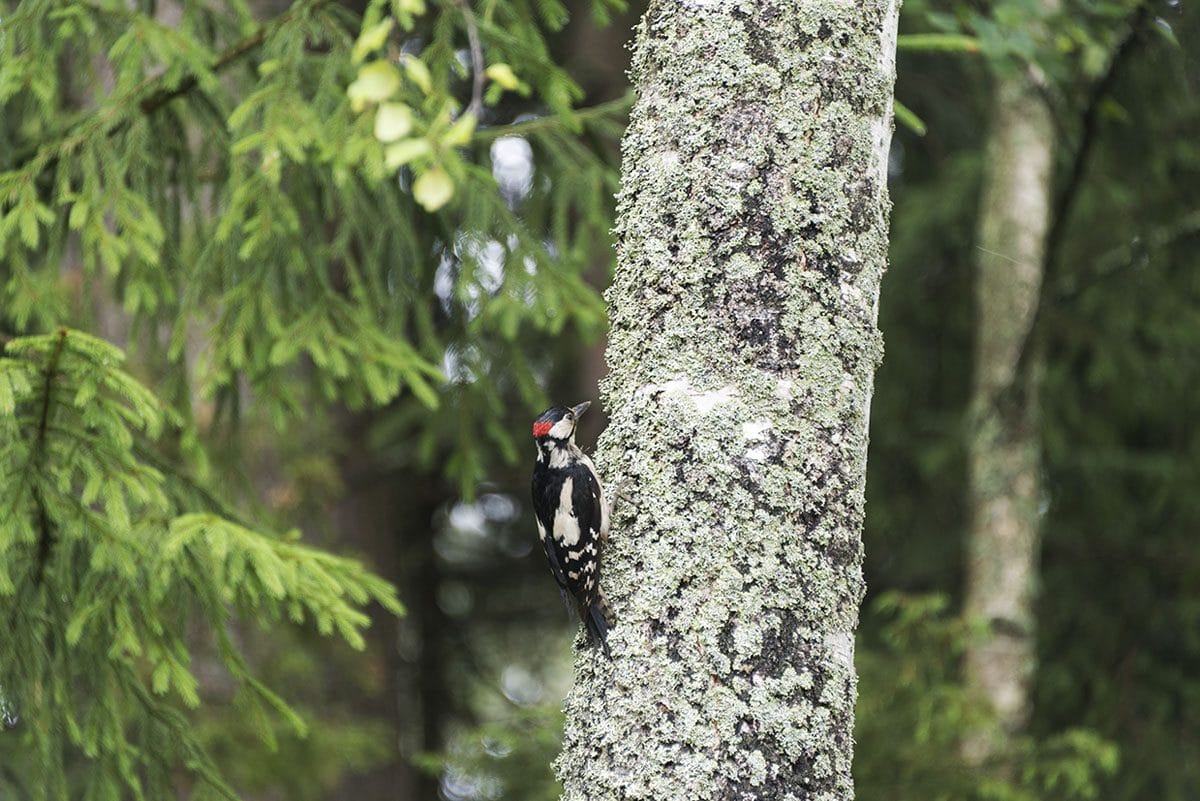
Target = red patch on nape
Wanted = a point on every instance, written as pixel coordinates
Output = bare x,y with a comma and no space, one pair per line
542,429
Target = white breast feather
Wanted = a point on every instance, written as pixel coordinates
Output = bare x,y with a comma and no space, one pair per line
560,457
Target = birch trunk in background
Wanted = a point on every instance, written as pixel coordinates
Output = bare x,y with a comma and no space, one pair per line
1004,447
752,236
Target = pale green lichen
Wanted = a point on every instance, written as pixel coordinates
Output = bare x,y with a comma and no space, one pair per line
752,238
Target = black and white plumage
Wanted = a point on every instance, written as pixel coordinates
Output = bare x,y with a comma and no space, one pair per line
572,517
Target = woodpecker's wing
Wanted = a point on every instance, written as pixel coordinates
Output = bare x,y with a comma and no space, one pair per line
582,562
545,503
576,534
555,565
601,502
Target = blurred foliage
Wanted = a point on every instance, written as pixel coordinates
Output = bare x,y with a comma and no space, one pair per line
508,757
339,742
1119,621
1118,329
913,713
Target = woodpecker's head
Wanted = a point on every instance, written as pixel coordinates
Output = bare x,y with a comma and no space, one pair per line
556,426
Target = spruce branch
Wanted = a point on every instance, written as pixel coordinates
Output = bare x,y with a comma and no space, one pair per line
45,533
198,761
154,92
165,95
82,427
51,369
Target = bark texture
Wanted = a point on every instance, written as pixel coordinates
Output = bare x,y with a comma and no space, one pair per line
752,236
1003,542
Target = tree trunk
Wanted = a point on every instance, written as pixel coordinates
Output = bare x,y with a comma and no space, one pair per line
752,238
1003,540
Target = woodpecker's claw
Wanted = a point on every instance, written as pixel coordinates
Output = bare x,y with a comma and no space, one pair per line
619,492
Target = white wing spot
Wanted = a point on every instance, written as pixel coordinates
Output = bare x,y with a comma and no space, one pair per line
566,527
541,530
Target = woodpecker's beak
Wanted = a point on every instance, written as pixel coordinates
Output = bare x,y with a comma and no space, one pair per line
580,409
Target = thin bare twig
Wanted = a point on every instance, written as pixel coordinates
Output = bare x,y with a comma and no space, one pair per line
1066,197
610,108
1089,129
477,73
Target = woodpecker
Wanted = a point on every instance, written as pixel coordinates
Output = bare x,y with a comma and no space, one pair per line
572,517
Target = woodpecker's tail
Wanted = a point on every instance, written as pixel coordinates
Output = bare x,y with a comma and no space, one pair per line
597,620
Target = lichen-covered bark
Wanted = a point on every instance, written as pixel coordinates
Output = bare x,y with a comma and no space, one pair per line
752,236
1003,540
